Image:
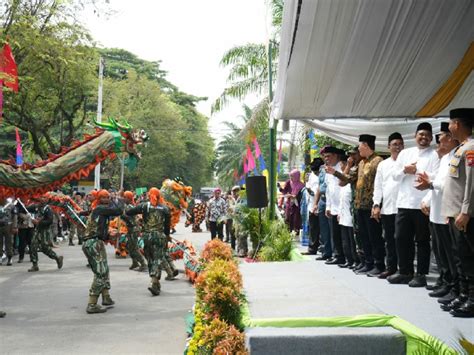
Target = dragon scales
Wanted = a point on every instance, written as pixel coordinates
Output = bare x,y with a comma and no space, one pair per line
72,163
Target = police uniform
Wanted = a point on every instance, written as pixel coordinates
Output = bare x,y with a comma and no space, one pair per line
458,197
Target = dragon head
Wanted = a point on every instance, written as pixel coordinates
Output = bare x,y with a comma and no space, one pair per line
127,137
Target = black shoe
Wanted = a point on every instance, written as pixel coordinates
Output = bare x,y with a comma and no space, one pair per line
363,270
434,286
346,265
322,257
440,292
454,304
448,298
308,253
358,267
398,278
335,262
466,310
418,281
20,260
375,272
385,274
9,262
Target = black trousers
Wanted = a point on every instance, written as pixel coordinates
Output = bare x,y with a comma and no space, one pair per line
24,235
412,231
217,229
388,224
465,251
314,232
444,248
370,232
348,243
336,238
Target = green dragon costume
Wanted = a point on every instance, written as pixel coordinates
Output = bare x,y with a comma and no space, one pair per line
72,163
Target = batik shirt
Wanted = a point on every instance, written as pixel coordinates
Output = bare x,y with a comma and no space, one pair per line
217,209
365,182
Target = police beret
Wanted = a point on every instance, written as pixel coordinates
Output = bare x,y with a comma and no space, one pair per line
463,114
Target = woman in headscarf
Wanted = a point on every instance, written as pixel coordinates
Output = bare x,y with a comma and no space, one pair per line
156,231
94,249
292,193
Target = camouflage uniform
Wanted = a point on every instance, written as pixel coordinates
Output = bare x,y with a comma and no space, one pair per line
42,237
156,229
77,229
94,247
132,240
8,222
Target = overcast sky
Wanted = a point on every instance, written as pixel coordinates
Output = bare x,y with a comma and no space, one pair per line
189,37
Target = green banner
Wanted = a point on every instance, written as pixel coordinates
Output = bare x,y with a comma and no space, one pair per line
418,341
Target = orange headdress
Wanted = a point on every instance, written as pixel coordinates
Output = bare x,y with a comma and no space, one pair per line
98,195
155,196
188,190
129,195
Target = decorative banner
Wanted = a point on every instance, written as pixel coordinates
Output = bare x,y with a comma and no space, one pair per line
19,151
8,73
246,168
258,153
235,175
8,68
250,161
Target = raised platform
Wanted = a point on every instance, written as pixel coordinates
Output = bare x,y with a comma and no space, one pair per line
313,289
301,289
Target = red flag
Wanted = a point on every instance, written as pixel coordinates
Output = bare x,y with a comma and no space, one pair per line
8,68
250,160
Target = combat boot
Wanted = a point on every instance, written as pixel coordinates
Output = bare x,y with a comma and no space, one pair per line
134,265
9,262
34,268
59,261
142,268
154,287
93,307
106,299
71,243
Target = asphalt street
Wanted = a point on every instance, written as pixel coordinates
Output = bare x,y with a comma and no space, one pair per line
46,309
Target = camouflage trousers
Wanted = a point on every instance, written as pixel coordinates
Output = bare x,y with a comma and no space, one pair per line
155,253
94,250
41,242
76,231
132,246
168,264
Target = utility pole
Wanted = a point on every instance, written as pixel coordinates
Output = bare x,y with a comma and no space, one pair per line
273,150
99,117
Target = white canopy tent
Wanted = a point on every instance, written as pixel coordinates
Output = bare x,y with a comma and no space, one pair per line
376,64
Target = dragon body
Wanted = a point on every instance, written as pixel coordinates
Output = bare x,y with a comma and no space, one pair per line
72,163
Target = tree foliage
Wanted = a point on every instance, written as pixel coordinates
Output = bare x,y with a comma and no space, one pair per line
58,65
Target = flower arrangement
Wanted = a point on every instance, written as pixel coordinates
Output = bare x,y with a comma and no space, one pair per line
217,314
216,249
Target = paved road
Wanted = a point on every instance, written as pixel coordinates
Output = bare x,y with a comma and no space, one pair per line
46,310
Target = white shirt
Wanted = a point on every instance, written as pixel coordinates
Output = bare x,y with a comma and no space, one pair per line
332,192
427,161
434,198
313,184
345,215
385,187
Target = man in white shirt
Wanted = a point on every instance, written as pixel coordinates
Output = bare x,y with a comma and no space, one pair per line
443,246
312,187
385,201
411,225
332,160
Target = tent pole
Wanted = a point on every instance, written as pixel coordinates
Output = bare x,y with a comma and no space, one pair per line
273,151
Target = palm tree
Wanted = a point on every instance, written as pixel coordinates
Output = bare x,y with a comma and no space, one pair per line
249,64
